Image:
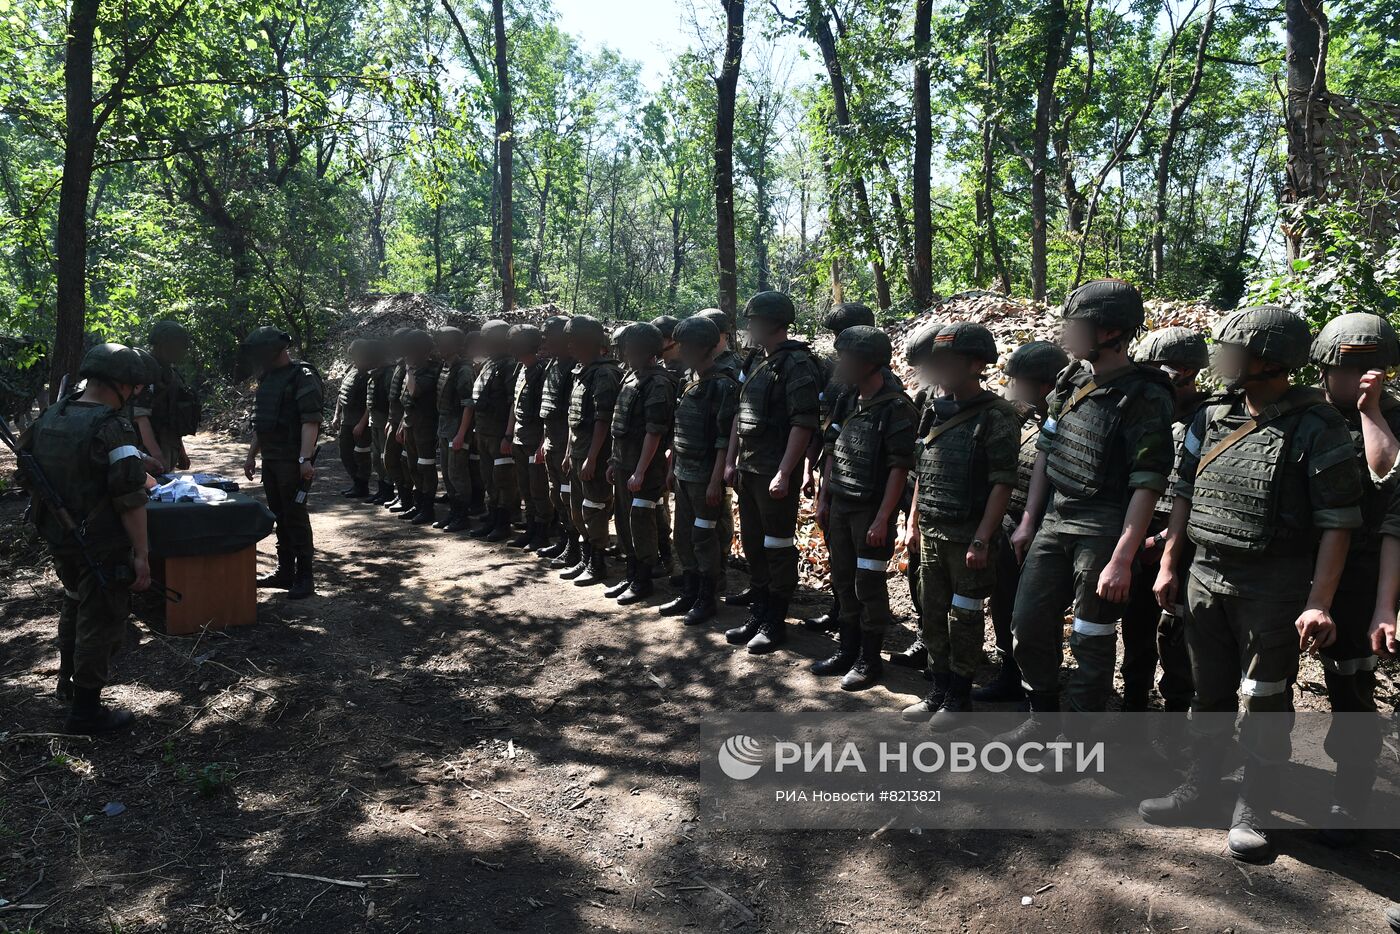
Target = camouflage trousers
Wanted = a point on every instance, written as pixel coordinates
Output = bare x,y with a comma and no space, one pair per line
421,448
281,482
354,452
1349,667
1151,636
591,506
498,475
698,530
951,595
378,426
768,527
92,623
559,488
533,480
859,569
636,518
396,462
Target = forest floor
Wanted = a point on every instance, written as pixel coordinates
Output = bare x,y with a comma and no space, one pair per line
464,743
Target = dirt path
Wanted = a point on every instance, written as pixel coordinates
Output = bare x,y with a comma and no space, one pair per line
471,745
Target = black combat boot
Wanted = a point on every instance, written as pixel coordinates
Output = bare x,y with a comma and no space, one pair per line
956,703
305,584
640,587
931,703
772,631
525,536
64,690
407,501
704,608
501,530
382,493
427,510
1248,840
584,555
827,621
1192,798
89,715
561,537
442,523
392,499
458,521
485,526
1005,687
573,550
618,589
916,656
683,601
1351,799
358,490
847,651
596,571
281,578
744,597
667,561
415,506
870,664
758,608
1042,726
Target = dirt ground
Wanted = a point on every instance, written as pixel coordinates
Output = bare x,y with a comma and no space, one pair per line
453,740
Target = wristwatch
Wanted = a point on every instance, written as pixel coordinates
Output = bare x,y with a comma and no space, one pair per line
301,460
978,544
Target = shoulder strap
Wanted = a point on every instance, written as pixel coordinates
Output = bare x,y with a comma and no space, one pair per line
1094,383
966,414
1266,417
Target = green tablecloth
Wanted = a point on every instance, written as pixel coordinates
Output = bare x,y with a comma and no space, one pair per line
183,530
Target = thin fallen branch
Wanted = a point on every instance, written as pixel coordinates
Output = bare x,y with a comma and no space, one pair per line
348,883
503,804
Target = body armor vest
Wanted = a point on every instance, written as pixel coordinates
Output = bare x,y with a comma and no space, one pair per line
488,389
856,472
555,389
1081,461
1025,466
582,405
174,405
352,389
396,381
756,395
529,391
377,388
696,429
628,418
449,399
60,442
273,408
953,470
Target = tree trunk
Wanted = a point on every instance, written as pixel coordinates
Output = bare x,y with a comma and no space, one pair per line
1305,109
1055,25
726,88
71,230
505,150
540,228
921,268
991,122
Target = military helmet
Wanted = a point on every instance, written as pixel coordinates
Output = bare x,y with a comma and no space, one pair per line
1182,346
699,330
920,343
167,331
115,363
666,324
1268,332
267,338
451,336
360,348
1038,360
586,327
495,329
641,336
775,306
418,342
868,343
152,365
526,338
721,320
1110,303
848,315
967,338
554,326
1359,337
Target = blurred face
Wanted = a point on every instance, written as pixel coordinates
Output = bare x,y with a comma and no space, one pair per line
694,356
1081,338
761,330
448,347
1343,384
495,343
172,351
581,348
553,345
1027,391
635,355
953,370
927,377
852,369
1232,363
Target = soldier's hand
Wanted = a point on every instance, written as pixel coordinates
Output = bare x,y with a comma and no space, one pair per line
358,431
976,557
731,474
1165,589
1371,388
539,455
778,486
249,465
878,534
1021,540
714,494
399,436
1316,631
1114,581
307,471
634,483
809,486
587,471
609,475
1383,634
456,443
154,467
823,513
567,466
505,447
183,461
141,567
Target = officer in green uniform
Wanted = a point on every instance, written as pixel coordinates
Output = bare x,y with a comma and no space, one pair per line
286,424
841,317
641,435
396,458
88,453
490,407
381,372
461,452
1355,351
593,396
452,391
1030,373
869,451
967,452
527,437
555,389
1269,492
167,410
1105,450
420,422
704,419
778,412
1149,632
350,421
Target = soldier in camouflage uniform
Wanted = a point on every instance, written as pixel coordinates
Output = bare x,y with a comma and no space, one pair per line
869,451
286,423
88,453
841,317
462,458
704,418
778,412
454,382
593,396
420,422
1354,352
350,421
1269,492
670,359
396,461
1149,632
490,407
167,409
527,437
1105,452
641,435
726,358
966,471
555,389
1031,373
377,401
